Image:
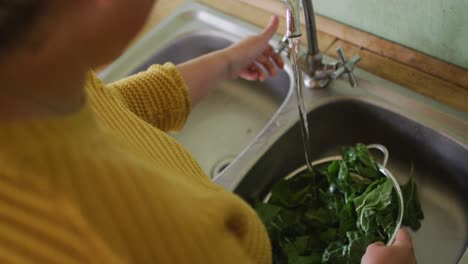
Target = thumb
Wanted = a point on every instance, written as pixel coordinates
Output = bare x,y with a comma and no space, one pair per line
378,244
271,28
375,245
403,238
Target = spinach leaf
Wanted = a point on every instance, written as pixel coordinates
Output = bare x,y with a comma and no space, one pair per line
312,259
328,235
290,222
365,157
267,212
297,248
347,218
386,223
376,198
294,192
358,242
335,253
344,179
413,212
320,216
331,201
360,161
333,170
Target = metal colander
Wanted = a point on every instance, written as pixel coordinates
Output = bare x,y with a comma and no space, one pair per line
382,169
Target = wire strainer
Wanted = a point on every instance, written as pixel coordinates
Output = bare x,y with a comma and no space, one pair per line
382,169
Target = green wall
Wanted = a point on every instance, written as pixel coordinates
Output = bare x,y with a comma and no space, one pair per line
436,27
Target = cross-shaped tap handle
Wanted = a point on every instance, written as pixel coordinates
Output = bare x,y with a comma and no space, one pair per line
347,67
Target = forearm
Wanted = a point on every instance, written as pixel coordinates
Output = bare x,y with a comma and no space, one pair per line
203,73
240,59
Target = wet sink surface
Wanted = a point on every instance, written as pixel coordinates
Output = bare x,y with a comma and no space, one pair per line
438,163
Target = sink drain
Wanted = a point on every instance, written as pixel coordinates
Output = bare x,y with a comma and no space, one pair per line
221,166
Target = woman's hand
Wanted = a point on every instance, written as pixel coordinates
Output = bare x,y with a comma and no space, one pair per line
246,56
400,252
239,60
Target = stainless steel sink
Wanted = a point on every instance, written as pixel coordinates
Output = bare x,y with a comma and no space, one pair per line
253,127
425,139
438,163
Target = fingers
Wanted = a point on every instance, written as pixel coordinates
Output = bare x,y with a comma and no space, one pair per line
258,72
404,241
400,252
271,28
253,73
254,58
278,60
275,57
270,60
268,64
265,65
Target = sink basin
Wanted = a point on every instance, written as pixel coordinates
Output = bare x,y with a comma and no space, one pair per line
246,135
425,139
438,163
228,119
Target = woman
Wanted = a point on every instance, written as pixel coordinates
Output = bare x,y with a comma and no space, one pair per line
87,174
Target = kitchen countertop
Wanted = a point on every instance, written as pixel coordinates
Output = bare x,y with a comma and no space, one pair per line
436,79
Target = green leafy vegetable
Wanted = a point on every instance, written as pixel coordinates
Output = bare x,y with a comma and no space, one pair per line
412,212
358,242
334,214
267,212
375,199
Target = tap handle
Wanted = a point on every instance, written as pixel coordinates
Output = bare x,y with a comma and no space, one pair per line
347,67
352,80
283,44
341,55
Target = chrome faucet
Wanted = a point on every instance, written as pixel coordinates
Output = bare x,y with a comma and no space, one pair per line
317,73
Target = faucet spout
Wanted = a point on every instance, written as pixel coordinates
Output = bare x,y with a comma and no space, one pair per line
312,39
293,19
318,74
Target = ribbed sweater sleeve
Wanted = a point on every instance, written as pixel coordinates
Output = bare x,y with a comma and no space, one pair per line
159,96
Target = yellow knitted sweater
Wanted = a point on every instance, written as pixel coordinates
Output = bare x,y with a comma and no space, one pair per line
107,185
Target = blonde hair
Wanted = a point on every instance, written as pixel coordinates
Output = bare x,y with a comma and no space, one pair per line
16,17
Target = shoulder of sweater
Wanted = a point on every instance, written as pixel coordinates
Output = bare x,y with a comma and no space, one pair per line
93,82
